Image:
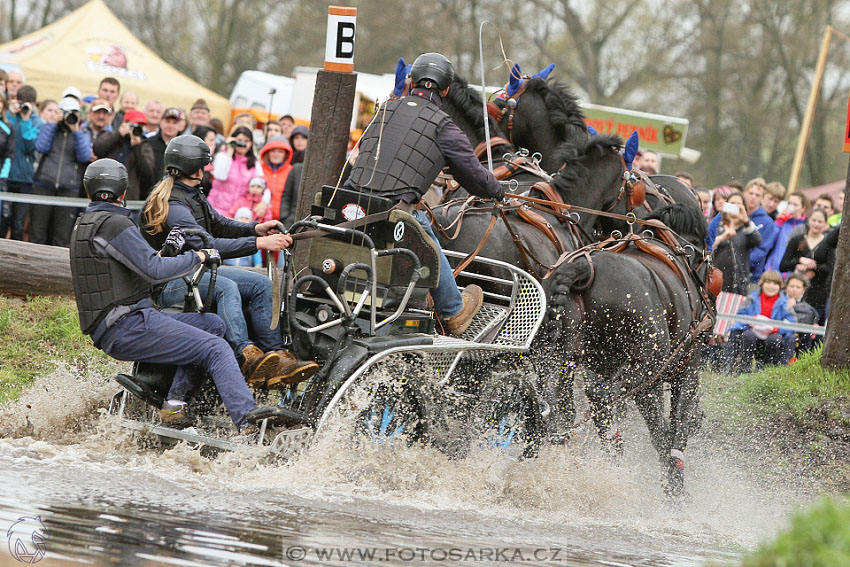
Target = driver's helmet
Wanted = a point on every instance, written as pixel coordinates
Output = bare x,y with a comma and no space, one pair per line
434,67
186,155
105,180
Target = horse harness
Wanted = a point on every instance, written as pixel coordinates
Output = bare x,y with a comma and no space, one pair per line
510,107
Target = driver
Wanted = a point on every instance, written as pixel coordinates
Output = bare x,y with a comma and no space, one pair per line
178,203
402,154
113,270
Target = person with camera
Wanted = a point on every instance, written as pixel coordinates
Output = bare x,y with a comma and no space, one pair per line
129,146
7,148
114,270
100,120
66,150
736,236
24,121
233,169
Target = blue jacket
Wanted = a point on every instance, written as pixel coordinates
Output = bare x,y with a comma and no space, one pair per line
66,156
752,308
758,255
783,233
25,134
7,149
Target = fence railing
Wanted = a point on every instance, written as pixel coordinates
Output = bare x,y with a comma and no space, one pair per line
58,201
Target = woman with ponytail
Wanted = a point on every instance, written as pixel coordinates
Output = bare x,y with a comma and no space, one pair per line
177,202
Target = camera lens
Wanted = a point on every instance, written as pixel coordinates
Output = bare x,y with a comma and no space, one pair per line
71,118
138,131
26,107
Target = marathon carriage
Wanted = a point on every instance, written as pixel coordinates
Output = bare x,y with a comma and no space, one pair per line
386,371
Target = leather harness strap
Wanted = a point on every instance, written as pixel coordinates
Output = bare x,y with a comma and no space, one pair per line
495,141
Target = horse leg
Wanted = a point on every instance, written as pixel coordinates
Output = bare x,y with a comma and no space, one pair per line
685,416
557,376
650,404
599,394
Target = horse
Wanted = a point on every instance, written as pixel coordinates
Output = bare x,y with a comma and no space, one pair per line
633,337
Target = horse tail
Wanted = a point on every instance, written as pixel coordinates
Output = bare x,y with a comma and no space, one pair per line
566,306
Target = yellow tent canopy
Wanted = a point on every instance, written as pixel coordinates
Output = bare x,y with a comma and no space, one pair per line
91,43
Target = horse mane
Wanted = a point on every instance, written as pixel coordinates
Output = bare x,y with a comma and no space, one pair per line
575,172
685,220
466,101
565,114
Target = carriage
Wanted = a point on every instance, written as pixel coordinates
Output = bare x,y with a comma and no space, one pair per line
386,373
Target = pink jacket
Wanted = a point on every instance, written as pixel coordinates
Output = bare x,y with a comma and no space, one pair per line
230,180
250,200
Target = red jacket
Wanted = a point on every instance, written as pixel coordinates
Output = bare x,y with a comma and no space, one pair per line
276,177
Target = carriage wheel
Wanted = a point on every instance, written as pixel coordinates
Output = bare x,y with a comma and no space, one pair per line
395,412
507,416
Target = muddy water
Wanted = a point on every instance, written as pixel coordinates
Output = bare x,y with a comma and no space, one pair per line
104,501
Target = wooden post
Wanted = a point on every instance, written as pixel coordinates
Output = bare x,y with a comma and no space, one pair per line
330,117
836,346
806,128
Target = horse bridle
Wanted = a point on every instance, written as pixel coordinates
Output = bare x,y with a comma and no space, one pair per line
510,106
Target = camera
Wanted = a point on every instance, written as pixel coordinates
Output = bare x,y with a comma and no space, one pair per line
71,117
239,144
731,208
26,107
138,131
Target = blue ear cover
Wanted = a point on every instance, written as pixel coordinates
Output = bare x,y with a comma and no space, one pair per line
400,76
592,131
515,80
544,74
631,149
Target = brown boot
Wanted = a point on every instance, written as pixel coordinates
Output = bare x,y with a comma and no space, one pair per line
258,366
473,298
291,371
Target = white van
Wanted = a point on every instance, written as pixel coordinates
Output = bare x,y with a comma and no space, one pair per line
253,90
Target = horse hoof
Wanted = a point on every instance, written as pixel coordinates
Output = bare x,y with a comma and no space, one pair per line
675,487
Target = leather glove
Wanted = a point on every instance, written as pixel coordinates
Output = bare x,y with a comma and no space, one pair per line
500,194
213,257
174,243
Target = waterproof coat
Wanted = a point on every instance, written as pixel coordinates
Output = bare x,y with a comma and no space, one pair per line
230,180
732,257
758,255
752,308
785,226
276,175
66,155
25,132
7,149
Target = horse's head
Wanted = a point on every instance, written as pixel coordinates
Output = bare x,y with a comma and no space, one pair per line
594,177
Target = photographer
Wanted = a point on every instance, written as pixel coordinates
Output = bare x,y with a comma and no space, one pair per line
128,146
7,148
233,169
24,122
67,151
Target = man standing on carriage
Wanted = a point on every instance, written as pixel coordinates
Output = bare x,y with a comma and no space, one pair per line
401,153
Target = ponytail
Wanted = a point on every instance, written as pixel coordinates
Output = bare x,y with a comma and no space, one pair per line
155,211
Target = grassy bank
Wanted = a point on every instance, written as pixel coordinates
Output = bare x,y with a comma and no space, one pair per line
35,335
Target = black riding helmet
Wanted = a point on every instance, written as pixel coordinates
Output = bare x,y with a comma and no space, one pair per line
433,66
105,180
186,154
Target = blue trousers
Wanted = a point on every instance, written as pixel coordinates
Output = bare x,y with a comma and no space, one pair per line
233,288
448,300
185,340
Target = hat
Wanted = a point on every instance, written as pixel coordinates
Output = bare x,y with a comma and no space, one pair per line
300,130
72,91
100,104
200,103
69,104
243,212
135,116
257,181
173,112
88,99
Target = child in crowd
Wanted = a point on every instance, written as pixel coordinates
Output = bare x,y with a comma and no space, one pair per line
795,286
767,302
252,199
256,259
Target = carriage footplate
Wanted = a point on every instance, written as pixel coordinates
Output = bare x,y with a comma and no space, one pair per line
280,416
486,323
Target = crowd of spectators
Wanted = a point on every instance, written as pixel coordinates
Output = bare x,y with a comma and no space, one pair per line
46,145
777,252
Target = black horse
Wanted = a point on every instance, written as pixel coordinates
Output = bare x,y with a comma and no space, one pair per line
638,325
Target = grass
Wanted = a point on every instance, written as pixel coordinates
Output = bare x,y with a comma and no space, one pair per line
792,388
35,335
818,537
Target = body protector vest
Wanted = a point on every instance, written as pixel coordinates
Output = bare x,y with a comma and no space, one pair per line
409,158
101,283
200,212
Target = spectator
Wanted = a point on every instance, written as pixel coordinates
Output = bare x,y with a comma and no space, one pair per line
272,128
718,197
99,119
835,218
233,168
795,287
289,199
217,125
651,162
128,101
74,92
768,302
153,116
244,120
48,111
24,122
254,260
774,193
108,90
753,195
812,256
736,185
298,141
736,237
704,198
7,150
67,150
183,125
199,114
13,83
169,128
686,178
792,217
4,76
209,136
276,157
251,199
825,203
287,124
129,146
638,161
